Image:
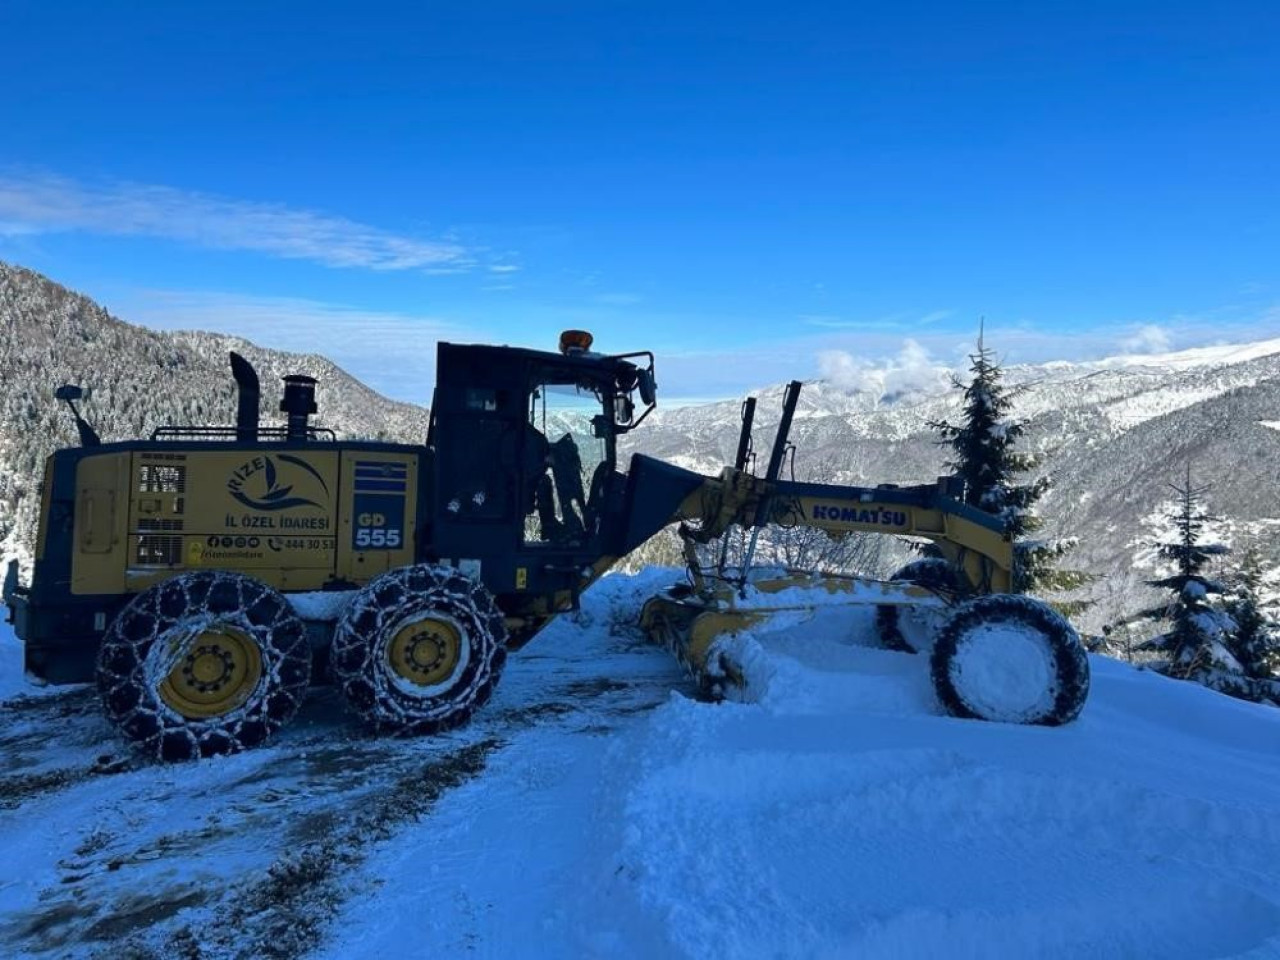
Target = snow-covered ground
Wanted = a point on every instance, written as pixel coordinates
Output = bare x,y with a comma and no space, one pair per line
594,810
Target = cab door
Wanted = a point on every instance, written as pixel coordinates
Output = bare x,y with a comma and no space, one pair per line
100,549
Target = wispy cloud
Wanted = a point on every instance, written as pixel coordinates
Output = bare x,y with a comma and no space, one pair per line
826,320
44,203
503,268
619,299
394,353
1148,338
894,321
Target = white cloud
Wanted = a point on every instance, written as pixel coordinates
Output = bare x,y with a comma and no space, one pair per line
43,203
912,371
1148,338
10,228
503,268
393,353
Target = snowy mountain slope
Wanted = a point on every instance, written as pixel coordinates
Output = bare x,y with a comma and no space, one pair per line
1214,355
140,379
1128,389
1112,434
589,812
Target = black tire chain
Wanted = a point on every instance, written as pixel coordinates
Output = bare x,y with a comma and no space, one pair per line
356,657
130,696
1071,660
931,572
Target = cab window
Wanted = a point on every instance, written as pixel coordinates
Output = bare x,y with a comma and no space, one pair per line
564,460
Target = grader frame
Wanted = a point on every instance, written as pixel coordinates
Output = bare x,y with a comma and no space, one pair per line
205,576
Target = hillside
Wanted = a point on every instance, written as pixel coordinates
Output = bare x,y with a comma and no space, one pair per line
1112,434
140,379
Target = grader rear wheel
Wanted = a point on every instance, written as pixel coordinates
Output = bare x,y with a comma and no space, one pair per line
419,650
208,662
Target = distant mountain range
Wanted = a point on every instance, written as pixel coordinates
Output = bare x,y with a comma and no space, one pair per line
1113,433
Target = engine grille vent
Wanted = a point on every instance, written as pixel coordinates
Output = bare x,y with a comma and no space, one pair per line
162,478
158,551
156,525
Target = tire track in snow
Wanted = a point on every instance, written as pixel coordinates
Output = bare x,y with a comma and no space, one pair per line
118,866
25,725
283,914
147,883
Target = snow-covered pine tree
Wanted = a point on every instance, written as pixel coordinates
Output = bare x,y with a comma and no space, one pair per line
1198,645
984,456
1255,642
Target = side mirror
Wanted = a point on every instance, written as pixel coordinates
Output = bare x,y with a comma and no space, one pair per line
70,393
648,388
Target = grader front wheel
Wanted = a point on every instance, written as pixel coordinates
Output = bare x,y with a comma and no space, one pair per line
205,663
419,650
1010,659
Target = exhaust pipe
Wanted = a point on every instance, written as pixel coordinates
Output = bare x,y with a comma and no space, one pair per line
299,403
247,405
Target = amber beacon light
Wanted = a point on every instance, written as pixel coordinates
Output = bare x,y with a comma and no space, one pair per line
575,341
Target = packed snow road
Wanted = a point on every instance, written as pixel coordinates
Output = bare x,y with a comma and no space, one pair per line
590,811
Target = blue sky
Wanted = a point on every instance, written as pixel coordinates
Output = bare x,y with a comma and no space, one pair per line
742,188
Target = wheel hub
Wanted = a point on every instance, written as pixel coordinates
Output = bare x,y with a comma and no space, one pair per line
425,652
219,670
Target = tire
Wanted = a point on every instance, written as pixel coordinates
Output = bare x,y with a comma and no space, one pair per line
914,630
419,650
1010,659
206,663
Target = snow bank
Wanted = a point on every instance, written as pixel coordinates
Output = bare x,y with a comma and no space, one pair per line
839,813
756,831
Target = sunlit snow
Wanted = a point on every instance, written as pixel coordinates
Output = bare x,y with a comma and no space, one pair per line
594,810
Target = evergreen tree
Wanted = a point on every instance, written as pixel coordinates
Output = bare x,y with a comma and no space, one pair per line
984,455
1197,645
1256,640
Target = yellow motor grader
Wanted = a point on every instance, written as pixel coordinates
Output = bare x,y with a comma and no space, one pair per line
205,577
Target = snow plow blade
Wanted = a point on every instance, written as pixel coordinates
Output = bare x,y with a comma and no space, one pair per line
1000,657
693,626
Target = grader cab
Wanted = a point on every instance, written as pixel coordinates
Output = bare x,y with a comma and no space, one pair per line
206,576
